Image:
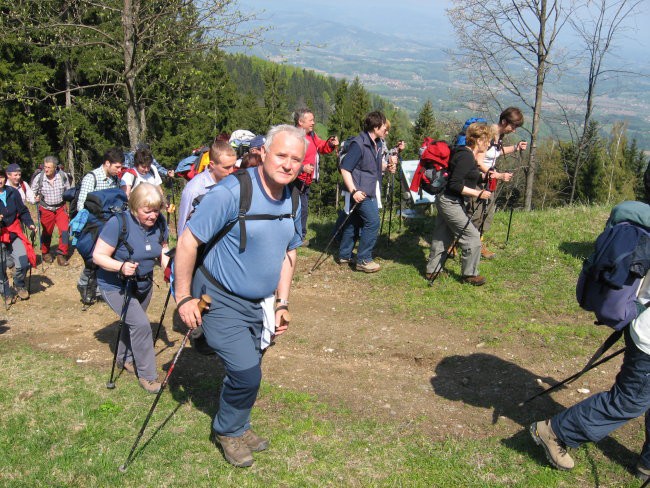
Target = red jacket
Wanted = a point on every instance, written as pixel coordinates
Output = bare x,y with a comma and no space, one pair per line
316,145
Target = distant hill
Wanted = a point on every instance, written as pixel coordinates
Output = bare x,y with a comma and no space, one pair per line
409,72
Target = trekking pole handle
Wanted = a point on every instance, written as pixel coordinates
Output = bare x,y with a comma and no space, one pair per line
204,303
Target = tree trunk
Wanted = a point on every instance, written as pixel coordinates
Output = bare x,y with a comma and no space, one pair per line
133,114
542,53
68,141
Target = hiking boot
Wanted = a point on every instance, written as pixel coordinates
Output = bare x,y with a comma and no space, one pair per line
369,267
348,261
451,254
486,253
642,472
61,260
148,385
47,258
234,450
128,367
254,442
477,280
22,293
543,435
441,274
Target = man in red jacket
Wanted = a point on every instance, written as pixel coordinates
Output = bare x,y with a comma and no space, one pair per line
304,118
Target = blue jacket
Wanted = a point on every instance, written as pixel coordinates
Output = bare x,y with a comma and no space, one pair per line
364,163
14,209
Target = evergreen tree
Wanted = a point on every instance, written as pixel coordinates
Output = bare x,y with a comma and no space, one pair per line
275,96
425,126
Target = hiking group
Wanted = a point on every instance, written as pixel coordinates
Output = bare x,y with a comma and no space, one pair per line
241,218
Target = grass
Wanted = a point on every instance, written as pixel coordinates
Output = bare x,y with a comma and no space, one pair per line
61,427
530,292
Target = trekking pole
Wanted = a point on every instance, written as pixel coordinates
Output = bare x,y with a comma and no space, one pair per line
509,224
573,377
318,261
204,304
29,280
162,316
40,237
125,306
173,204
447,251
5,283
391,195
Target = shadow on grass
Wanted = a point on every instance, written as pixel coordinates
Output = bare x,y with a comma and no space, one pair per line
487,381
579,250
196,378
403,246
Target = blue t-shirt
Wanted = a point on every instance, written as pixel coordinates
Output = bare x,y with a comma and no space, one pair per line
255,273
146,245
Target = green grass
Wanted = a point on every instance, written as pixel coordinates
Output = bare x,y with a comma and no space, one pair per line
530,292
61,427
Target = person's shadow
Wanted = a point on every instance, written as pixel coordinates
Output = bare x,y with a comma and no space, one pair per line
489,382
37,283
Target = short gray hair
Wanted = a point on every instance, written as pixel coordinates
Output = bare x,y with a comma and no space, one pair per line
297,132
299,114
145,195
51,159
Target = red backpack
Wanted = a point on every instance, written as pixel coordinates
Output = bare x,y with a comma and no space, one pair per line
431,173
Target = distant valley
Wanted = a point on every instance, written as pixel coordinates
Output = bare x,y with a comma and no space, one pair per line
409,72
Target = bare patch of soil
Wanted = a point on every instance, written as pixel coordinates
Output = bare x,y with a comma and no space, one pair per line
426,375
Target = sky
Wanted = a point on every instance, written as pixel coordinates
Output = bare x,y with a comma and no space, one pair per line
426,20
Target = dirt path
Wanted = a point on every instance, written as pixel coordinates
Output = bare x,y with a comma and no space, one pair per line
425,375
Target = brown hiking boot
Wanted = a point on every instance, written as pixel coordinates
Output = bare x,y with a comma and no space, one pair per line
477,280
441,274
47,258
234,450
254,442
61,260
369,267
128,367
486,253
148,385
22,293
543,435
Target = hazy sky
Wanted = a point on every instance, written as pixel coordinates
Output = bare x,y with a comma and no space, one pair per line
426,19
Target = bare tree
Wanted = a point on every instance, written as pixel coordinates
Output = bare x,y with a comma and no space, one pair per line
597,26
508,46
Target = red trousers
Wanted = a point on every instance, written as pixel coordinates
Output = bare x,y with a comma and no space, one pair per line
48,220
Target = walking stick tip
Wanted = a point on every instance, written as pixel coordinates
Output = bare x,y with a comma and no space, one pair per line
122,468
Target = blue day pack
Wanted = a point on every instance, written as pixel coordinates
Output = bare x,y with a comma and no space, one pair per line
98,208
610,277
460,138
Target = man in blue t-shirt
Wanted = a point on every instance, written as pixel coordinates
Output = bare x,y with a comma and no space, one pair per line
238,281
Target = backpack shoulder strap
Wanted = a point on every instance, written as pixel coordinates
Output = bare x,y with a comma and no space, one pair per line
295,201
124,233
245,199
